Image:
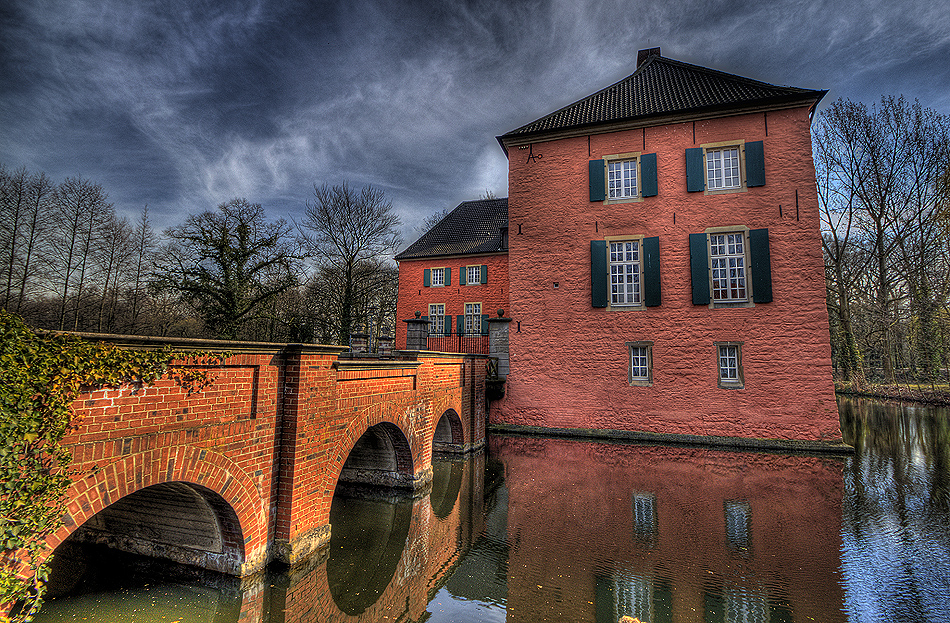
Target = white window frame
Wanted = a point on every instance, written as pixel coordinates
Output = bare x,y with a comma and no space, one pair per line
640,360
729,365
437,320
728,266
713,156
473,318
623,271
441,277
473,270
622,178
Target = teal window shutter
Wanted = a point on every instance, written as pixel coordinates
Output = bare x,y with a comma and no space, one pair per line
648,181
754,164
699,268
460,324
448,276
484,273
448,325
761,266
426,277
462,275
695,170
598,273
598,190
484,324
651,271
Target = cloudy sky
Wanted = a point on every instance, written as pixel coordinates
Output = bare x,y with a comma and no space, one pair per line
184,104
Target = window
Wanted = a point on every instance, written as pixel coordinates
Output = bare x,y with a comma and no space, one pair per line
473,318
725,167
437,319
729,357
622,179
625,272
722,168
474,275
730,267
438,277
728,264
641,363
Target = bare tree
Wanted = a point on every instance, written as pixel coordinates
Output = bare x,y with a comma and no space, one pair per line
227,264
353,236
79,209
143,251
879,169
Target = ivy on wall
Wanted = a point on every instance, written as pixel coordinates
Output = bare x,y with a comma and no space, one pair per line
41,374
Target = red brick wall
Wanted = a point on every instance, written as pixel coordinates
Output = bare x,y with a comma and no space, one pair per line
270,436
569,365
415,297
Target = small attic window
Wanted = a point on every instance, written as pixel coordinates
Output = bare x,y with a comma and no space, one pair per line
504,238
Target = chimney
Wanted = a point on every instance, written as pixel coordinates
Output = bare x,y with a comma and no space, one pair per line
644,55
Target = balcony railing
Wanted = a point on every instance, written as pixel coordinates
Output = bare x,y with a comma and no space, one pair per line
459,343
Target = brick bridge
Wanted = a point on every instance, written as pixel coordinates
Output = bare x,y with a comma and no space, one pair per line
244,472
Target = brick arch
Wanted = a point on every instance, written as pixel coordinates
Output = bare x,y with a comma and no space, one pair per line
448,434
392,414
223,484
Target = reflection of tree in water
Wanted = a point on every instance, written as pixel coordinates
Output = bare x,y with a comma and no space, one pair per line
366,542
896,512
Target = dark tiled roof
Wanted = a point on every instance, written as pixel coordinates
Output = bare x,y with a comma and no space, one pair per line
472,227
660,87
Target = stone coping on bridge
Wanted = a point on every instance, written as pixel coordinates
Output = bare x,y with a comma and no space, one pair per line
435,354
375,364
643,437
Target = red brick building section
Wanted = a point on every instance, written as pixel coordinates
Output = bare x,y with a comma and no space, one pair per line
458,268
683,171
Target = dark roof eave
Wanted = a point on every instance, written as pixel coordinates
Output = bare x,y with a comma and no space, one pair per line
432,256
810,98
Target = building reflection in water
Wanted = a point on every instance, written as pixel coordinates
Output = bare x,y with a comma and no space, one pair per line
896,512
661,534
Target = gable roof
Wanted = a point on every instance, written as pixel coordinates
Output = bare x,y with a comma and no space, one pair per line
472,227
662,87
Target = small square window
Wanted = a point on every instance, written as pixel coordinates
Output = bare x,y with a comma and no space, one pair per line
729,361
641,363
438,277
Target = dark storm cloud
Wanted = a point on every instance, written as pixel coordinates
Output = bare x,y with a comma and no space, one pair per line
183,105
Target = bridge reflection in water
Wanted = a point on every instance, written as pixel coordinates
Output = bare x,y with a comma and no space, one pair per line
559,530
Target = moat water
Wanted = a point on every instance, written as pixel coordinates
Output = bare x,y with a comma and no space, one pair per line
555,530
